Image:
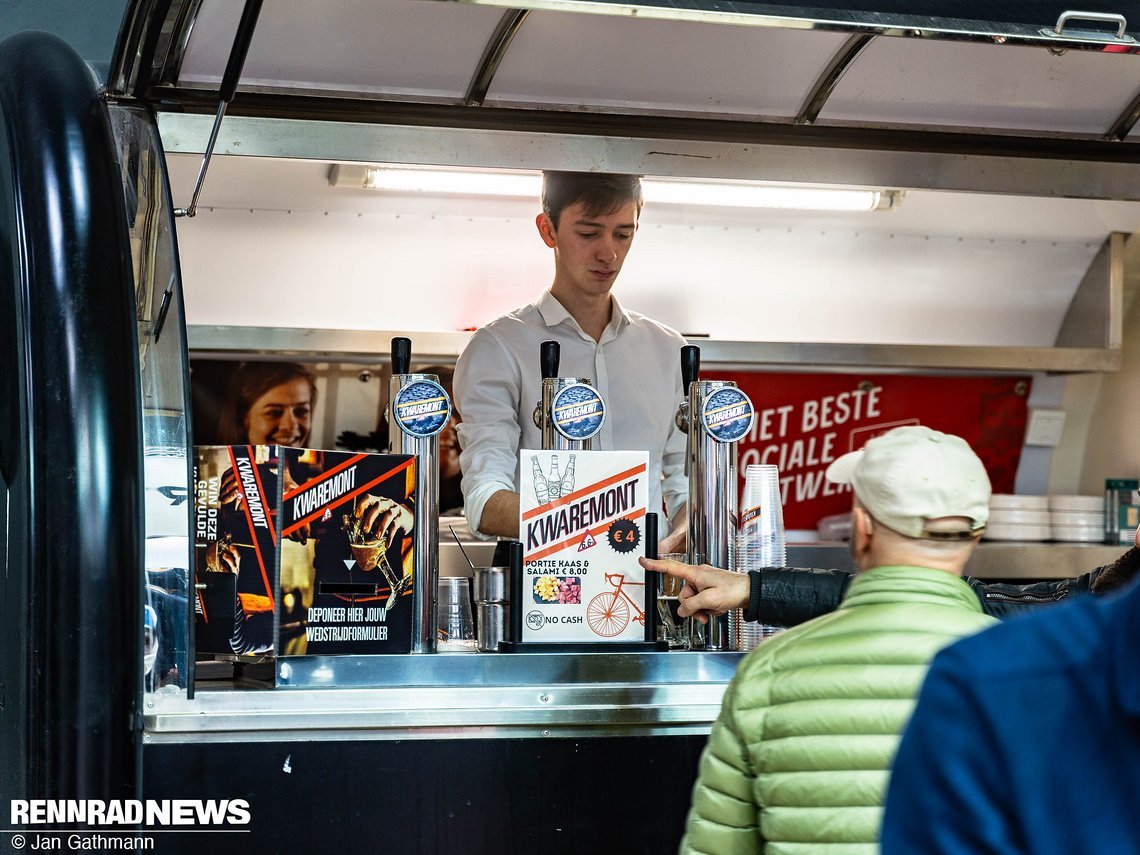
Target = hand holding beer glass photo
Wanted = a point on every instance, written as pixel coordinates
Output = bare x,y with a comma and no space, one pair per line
369,550
222,556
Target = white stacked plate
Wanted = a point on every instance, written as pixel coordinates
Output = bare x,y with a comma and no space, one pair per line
1018,531
1077,503
1019,518
1011,502
1077,519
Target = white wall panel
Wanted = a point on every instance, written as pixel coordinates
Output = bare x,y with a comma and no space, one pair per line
423,272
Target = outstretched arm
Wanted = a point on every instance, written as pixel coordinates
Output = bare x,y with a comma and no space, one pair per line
708,590
779,596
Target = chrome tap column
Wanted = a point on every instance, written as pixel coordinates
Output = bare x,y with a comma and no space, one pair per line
716,415
571,411
418,409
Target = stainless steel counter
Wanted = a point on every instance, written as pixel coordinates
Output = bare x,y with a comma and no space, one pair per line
468,695
456,695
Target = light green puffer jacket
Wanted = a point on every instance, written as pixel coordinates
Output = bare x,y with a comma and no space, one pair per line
797,761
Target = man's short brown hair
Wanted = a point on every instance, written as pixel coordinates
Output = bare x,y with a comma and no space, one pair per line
599,192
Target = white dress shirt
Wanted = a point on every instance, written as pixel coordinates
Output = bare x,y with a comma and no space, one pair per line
636,366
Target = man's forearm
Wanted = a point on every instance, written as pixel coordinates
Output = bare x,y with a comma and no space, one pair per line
501,515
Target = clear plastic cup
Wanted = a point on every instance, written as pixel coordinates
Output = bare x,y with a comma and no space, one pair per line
456,622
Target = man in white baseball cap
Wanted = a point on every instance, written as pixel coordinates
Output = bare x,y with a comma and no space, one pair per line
919,483
844,684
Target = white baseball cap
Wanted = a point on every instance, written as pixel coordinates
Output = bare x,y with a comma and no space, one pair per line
911,475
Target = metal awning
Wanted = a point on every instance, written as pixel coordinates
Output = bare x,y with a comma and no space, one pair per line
1038,78
885,98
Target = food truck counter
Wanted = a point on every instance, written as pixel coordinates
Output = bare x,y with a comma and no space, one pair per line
455,695
460,752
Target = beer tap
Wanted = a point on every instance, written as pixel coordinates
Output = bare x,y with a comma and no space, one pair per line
716,414
418,409
571,411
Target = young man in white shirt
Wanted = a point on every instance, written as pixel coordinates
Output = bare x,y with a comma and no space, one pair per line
589,220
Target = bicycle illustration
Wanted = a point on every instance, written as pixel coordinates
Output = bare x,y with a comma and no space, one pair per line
607,613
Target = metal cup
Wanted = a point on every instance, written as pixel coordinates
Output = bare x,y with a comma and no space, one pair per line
491,584
494,623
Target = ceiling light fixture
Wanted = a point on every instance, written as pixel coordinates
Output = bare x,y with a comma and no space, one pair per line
732,194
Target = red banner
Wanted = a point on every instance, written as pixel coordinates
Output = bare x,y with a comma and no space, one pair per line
805,421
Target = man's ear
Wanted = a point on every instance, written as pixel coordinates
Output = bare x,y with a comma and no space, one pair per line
862,527
865,522
545,230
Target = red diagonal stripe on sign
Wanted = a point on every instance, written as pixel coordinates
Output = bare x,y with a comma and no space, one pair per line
320,512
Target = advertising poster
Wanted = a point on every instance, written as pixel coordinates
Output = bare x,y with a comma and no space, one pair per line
299,551
805,421
235,548
582,524
346,553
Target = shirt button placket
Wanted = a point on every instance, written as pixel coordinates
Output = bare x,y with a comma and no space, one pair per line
606,434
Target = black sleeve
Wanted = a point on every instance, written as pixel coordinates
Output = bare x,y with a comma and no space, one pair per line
1001,599
752,610
788,596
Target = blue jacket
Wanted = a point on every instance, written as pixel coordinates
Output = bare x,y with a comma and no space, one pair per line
1026,738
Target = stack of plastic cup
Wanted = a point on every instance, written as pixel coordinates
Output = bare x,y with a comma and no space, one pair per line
760,539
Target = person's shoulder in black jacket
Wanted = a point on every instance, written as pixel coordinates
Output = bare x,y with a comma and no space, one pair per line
788,596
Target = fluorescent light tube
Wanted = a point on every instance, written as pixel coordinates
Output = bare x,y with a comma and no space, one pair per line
731,195
465,182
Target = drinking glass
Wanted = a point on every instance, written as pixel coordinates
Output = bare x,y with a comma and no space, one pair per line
670,628
456,622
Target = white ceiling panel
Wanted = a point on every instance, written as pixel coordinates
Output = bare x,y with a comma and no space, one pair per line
393,47
924,82
613,62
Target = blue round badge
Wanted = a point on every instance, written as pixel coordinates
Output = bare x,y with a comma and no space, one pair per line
421,408
727,414
578,411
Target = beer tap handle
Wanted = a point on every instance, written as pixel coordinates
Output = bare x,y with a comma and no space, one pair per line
515,563
652,580
401,355
550,355
690,366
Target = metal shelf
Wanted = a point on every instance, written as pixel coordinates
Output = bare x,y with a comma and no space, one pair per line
373,347
1016,561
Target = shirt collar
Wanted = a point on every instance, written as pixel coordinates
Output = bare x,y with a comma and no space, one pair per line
554,313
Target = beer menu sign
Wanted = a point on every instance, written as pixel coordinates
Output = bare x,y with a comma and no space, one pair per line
805,421
582,526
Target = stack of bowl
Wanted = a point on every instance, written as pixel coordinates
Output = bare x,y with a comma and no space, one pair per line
1019,518
1078,519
